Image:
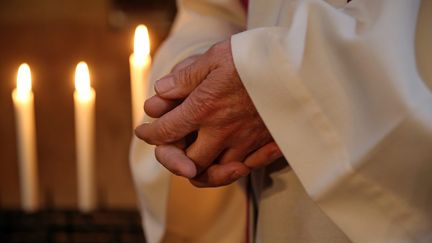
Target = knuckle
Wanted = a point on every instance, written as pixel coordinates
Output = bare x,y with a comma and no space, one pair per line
185,77
213,50
202,105
219,49
166,133
216,48
181,65
186,62
189,114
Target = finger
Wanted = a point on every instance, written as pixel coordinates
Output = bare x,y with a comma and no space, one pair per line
224,174
186,62
241,151
156,106
205,149
181,83
233,154
221,175
263,156
171,127
175,160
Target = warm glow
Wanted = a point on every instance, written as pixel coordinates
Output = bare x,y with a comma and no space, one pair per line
141,44
82,80
24,84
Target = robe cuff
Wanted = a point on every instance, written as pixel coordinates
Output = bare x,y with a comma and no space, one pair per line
302,131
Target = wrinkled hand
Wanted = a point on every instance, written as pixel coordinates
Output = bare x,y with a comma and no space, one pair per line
157,106
216,106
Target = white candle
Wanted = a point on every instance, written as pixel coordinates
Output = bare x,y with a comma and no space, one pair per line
139,62
22,98
84,100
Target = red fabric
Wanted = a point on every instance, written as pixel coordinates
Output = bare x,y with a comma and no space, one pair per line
247,217
245,4
248,204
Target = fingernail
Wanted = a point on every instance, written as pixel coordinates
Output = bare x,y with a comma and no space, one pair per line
164,85
138,129
141,125
190,171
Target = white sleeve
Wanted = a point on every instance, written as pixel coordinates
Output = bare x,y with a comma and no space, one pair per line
343,96
198,25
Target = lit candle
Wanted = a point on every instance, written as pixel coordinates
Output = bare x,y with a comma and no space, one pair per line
84,99
22,98
139,62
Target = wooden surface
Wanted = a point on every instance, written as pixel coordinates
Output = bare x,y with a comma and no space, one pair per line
52,37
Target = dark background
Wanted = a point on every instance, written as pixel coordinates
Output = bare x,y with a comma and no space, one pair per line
52,36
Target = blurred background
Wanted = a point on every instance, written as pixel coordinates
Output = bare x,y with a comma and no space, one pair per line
52,37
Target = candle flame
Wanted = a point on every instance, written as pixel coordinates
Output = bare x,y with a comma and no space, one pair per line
24,84
141,44
82,80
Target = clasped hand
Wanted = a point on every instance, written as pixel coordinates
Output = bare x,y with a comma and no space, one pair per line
208,129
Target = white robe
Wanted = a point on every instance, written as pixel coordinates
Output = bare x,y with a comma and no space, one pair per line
345,90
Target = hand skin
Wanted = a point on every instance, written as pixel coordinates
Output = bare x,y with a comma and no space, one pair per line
157,106
204,95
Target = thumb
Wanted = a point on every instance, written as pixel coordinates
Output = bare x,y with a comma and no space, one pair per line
182,82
